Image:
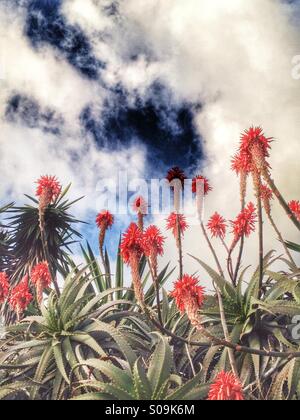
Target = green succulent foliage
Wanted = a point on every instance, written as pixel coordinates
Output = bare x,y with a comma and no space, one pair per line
279,302
3,210
172,320
286,384
25,235
40,353
154,380
6,249
118,279
293,246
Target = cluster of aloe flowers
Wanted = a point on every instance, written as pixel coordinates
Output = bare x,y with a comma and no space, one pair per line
19,297
140,241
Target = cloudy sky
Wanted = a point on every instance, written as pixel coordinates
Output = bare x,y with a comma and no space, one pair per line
89,88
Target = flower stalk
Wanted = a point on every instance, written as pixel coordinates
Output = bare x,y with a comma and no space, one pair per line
280,199
104,222
48,190
220,302
131,252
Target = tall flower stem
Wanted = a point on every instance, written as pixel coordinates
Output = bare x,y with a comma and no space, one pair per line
212,249
195,321
257,184
137,282
229,266
281,240
179,246
102,255
104,221
281,200
261,244
42,225
226,332
229,260
156,286
258,189
243,190
225,245
220,301
141,221
239,260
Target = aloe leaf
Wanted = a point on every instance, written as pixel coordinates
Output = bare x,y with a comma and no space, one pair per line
59,359
182,392
142,385
160,365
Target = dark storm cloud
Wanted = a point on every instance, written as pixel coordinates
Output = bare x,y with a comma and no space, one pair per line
23,110
46,25
164,127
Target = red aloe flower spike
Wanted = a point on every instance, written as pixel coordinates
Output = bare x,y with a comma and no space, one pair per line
255,136
266,196
242,168
132,243
153,242
226,388
251,158
172,225
256,146
189,298
131,252
200,180
20,297
241,165
140,206
41,279
48,189
217,226
176,173
244,224
4,287
295,208
177,223
104,221
188,292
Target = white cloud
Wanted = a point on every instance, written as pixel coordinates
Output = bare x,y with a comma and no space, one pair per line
234,56
46,77
41,74
88,14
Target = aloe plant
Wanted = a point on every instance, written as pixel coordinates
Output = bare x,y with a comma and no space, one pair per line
23,227
277,306
41,351
153,380
107,333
